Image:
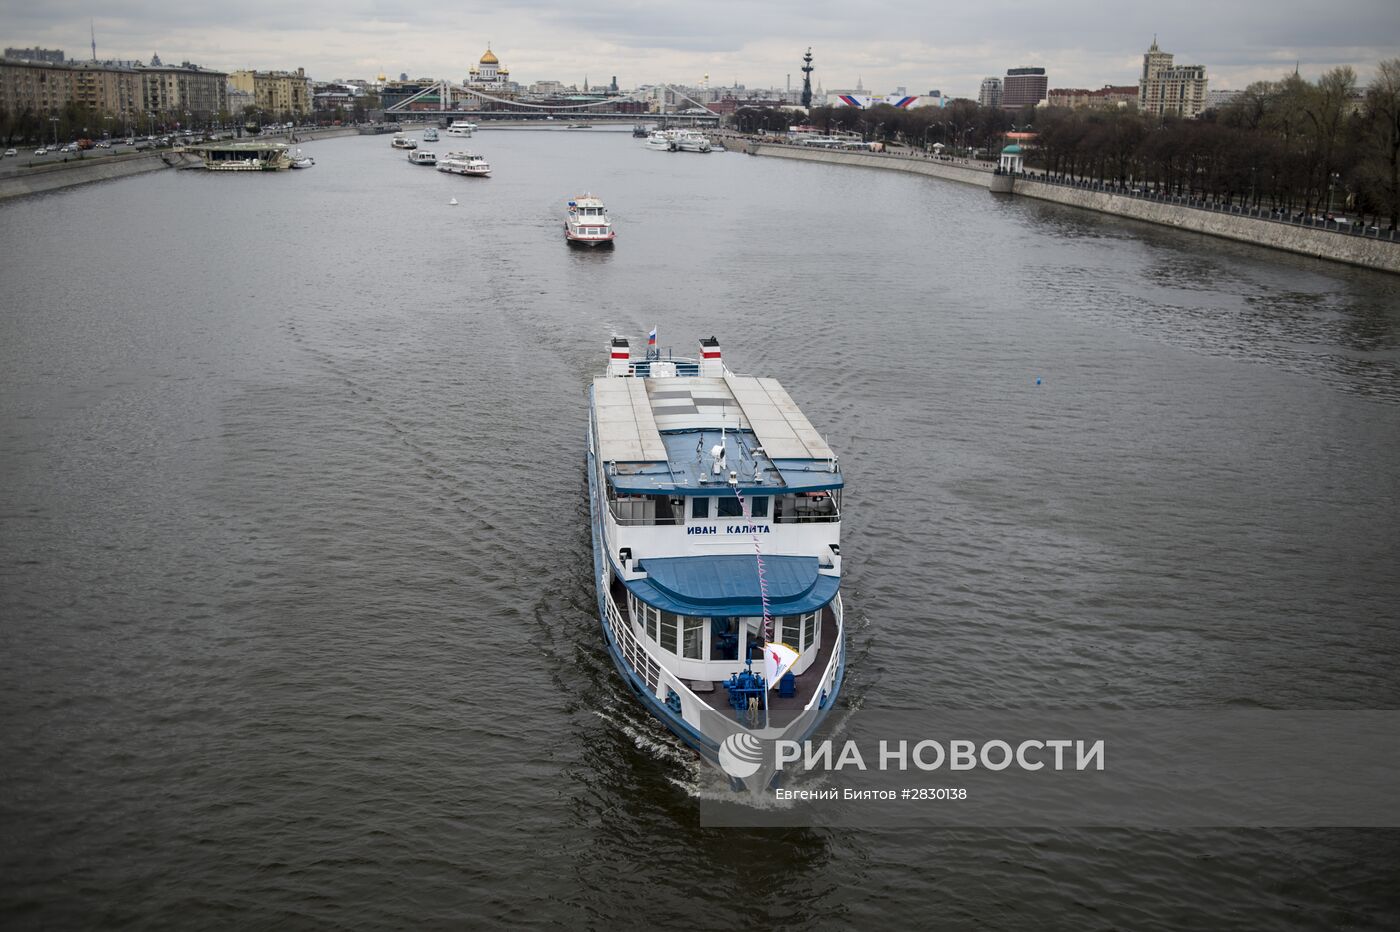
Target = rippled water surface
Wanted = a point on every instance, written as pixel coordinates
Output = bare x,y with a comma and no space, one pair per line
296,619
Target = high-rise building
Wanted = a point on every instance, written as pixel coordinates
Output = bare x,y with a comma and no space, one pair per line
50,56
1023,87
1170,90
47,88
176,90
276,92
990,94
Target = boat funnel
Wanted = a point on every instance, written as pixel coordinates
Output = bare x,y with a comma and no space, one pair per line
711,367
619,356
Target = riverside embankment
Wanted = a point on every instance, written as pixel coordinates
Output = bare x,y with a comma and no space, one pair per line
1319,243
39,178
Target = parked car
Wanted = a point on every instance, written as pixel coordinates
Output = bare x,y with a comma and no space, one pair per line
10,152
41,151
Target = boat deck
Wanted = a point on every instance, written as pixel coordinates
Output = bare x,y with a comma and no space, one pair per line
717,697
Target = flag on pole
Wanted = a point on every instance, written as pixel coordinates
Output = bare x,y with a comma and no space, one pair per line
651,339
778,658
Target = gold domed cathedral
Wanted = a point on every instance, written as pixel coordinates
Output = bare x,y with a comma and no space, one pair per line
489,72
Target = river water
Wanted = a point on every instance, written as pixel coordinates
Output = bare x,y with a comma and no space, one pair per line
295,578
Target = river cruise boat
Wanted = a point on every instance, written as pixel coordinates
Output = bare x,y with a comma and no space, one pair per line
430,134
243,156
461,128
692,141
587,223
716,524
400,141
423,157
464,163
661,141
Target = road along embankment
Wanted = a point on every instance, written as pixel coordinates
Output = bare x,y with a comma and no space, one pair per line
917,165
1355,250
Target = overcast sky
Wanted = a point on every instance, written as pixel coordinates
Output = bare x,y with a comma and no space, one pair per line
1081,43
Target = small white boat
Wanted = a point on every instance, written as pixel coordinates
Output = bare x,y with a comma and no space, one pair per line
692,141
400,141
464,163
661,141
430,134
452,202
423,157
461,128
587,223
302,161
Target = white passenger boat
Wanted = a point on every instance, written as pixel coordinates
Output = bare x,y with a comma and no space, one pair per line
430,134
716,527
400,141
461,128
423,157
302,161
661,141
587,223
692,141
464,163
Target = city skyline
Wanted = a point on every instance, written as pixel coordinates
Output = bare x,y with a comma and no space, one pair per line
881,48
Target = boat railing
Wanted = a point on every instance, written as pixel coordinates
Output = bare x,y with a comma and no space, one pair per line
828,516
822,694
634,512
695,710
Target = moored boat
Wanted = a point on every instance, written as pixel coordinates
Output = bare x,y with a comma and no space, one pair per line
588,223
661,141
692,141
243,156
715,511
464,163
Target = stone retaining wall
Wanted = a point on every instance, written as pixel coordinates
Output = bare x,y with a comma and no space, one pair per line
105,168
1322,244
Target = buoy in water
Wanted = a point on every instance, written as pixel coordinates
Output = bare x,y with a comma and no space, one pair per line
452,203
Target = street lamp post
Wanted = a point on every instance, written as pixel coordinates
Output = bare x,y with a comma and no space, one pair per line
54,121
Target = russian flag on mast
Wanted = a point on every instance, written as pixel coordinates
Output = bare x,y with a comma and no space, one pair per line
651,339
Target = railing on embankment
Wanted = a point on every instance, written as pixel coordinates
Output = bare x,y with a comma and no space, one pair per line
1319,242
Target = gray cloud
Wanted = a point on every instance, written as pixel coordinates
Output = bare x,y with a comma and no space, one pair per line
883,43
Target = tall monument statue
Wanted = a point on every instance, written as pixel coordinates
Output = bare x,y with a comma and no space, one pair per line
807,79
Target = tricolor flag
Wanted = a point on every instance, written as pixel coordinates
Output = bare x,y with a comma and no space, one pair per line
651,338
778,658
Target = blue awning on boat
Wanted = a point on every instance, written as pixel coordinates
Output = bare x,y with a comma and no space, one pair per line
728,585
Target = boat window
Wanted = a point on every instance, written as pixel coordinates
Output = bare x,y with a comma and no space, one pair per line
700,507
729,507
809,629
724,639
758,507
669,632
694,639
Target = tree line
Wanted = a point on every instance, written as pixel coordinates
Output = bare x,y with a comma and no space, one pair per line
1290,145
